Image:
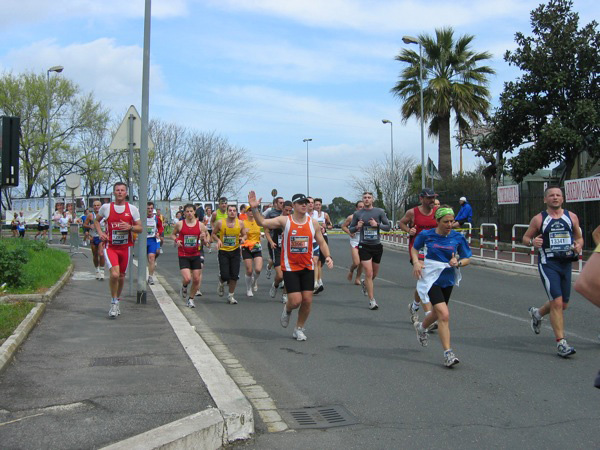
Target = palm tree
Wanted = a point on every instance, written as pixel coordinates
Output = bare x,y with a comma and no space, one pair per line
452,83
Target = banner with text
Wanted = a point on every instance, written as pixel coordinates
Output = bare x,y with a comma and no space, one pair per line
508,195
582,189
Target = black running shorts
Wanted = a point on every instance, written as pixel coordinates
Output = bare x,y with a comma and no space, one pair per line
439,294
193,263
299,280
247,254
229,265
367,252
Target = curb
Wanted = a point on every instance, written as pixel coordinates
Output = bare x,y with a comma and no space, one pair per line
11,345
41,298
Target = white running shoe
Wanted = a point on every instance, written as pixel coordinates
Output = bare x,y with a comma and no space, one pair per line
183,291
450,358
285,317
273,291
101,275
231,300
414,313
535,323
114,311
199,294
421,334
249,293
284,298
564,349
97,274
298,334
190,303
221,288
150,280
268,273
373,305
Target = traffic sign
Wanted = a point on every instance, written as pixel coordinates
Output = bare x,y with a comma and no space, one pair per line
120,140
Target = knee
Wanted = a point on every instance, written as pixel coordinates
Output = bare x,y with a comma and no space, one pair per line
443,316
557,304
114,272
565,305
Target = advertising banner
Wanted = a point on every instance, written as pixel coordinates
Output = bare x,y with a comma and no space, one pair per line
508,195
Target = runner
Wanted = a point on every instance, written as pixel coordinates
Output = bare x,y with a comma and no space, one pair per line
271,213
354,238
21,224
369,222
229,233
42,228
415,220
14,223
96,244
155,228
208,224
86,230
242,215
277,236
122,219
323,219
63,226
252,254
297,263
188,236
447,252
220,213
556,234
310,209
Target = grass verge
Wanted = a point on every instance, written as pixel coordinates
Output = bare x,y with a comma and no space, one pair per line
11,315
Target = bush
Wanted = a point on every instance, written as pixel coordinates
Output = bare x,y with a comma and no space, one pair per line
13,257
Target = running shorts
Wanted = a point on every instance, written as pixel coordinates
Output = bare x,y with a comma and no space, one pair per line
64,233
556,278
438,294
367,252
277,257
316,250
152,245
299,280
271,252
192,263
96,240
229,265
116,256
321,256
247,254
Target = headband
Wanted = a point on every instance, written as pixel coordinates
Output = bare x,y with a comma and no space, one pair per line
441,212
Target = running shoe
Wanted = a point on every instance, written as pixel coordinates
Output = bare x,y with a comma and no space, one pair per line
284,298
150,280
199,294
273,291
373,305
183,291
564,349
231,300
221,288
285,317
255,284
114,311
190,303
298,334
320,289
536,324
414,313
364,287
249,293
102,275
421,334
97,274
432,327
268,273
450,358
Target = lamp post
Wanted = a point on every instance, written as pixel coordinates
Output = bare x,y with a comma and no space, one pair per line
307,141
56,69
413,40
393,174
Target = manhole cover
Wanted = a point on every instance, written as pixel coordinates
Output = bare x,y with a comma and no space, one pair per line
115,361
320,417
83,276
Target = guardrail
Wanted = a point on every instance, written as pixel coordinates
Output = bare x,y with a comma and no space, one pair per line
483,242
515,245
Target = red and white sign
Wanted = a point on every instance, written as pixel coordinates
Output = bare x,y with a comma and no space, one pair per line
508,195
582,189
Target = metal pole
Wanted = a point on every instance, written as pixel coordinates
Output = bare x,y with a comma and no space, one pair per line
307,190
130,145
143,189
49,181
393,177
422,119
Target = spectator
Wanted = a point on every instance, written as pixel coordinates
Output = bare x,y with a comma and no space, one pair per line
464,215
200,212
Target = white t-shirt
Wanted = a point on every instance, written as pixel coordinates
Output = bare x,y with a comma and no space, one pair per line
63,223
105,210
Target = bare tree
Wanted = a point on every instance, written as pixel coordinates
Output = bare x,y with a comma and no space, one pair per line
171,159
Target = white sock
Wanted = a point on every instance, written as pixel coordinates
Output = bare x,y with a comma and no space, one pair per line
256,275
248,282
320,282
416,305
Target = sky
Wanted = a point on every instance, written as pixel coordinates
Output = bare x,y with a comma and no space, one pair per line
265,74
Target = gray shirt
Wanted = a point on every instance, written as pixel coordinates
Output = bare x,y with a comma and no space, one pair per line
368,233
271,214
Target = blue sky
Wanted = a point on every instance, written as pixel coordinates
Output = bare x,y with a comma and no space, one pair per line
265,73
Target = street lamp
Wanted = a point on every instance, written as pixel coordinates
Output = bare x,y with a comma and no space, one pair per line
393,175
307,141
413,40
57,69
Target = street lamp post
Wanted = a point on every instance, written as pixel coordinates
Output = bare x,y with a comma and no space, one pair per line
307,141
413,40
56,69
393,171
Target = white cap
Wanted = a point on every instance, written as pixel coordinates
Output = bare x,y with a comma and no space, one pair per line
462,199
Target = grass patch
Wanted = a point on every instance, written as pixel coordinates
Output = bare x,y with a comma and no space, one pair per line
11,315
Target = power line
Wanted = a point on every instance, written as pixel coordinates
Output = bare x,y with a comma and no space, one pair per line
303,162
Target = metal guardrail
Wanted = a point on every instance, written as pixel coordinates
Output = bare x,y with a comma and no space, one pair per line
514,245
483,242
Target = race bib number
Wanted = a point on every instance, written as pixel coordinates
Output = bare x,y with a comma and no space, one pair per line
257,247
190,241
230,240
298,244
279,240
150,231
120,237
370,233
560,241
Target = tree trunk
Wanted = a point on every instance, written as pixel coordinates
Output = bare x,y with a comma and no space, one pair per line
444,153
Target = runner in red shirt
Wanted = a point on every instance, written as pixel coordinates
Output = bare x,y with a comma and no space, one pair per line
122,219
415,220
297,262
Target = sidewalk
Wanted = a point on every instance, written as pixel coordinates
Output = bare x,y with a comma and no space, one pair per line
82,380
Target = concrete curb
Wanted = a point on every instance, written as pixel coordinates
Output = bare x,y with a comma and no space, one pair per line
41,298
11,345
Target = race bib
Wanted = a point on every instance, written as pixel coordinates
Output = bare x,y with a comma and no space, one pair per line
230,240
560,241
190,241
150,231
298,244
257,247
279,240
370,233
120,237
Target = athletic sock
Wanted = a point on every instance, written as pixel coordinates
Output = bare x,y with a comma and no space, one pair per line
320,282
416,305
256,275
537,314
248,282
114,300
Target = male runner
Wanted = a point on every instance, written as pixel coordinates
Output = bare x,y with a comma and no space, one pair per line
271,213
415,220
323,219
96,244
122,219
296,253
220,213
354,246
21,224
252,253
155,228
277,236
556,234
86,229
370,221
42,228
208,224
188,236
229,233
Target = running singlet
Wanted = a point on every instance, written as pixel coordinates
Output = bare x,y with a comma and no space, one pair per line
297,245
322,221
253,234
220,215
189,237
117,237
558,238
421,223
230,237
152,226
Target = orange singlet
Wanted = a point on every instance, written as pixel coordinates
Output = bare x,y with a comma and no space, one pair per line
297,245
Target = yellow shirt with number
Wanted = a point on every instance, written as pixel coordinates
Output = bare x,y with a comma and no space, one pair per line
230,237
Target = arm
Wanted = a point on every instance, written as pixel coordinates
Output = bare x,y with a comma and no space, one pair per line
243,232
577,236
137,226
345,228
97,220
588,282
277,222
175,232
414,256
384,223
532,236
464,252
215,234
322,244
204,235
328,223
596,235
88,224
355,224
407,221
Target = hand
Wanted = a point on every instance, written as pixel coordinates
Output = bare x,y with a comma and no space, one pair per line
538,241
178,243
453,261
252,202
123,225
352,235
412,231
373,222
418,269
329,262
359,224
273,245
219,243
577,247
103,236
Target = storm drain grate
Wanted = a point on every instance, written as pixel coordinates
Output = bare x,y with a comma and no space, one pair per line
115,361
320,417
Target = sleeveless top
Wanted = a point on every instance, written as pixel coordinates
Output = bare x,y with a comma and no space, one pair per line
220,215
321,220
117,237
189,237
253,234
421,222
230,237
152,226
297,245
558,238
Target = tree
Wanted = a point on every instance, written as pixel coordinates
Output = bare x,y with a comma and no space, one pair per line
552,112
27,96
171,157
453,82
340,208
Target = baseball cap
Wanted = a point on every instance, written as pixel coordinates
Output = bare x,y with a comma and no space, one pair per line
462,199
427,192
299,198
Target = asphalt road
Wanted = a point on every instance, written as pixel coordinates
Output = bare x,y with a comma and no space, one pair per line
510,390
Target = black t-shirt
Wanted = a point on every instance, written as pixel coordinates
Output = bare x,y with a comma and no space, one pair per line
200,213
